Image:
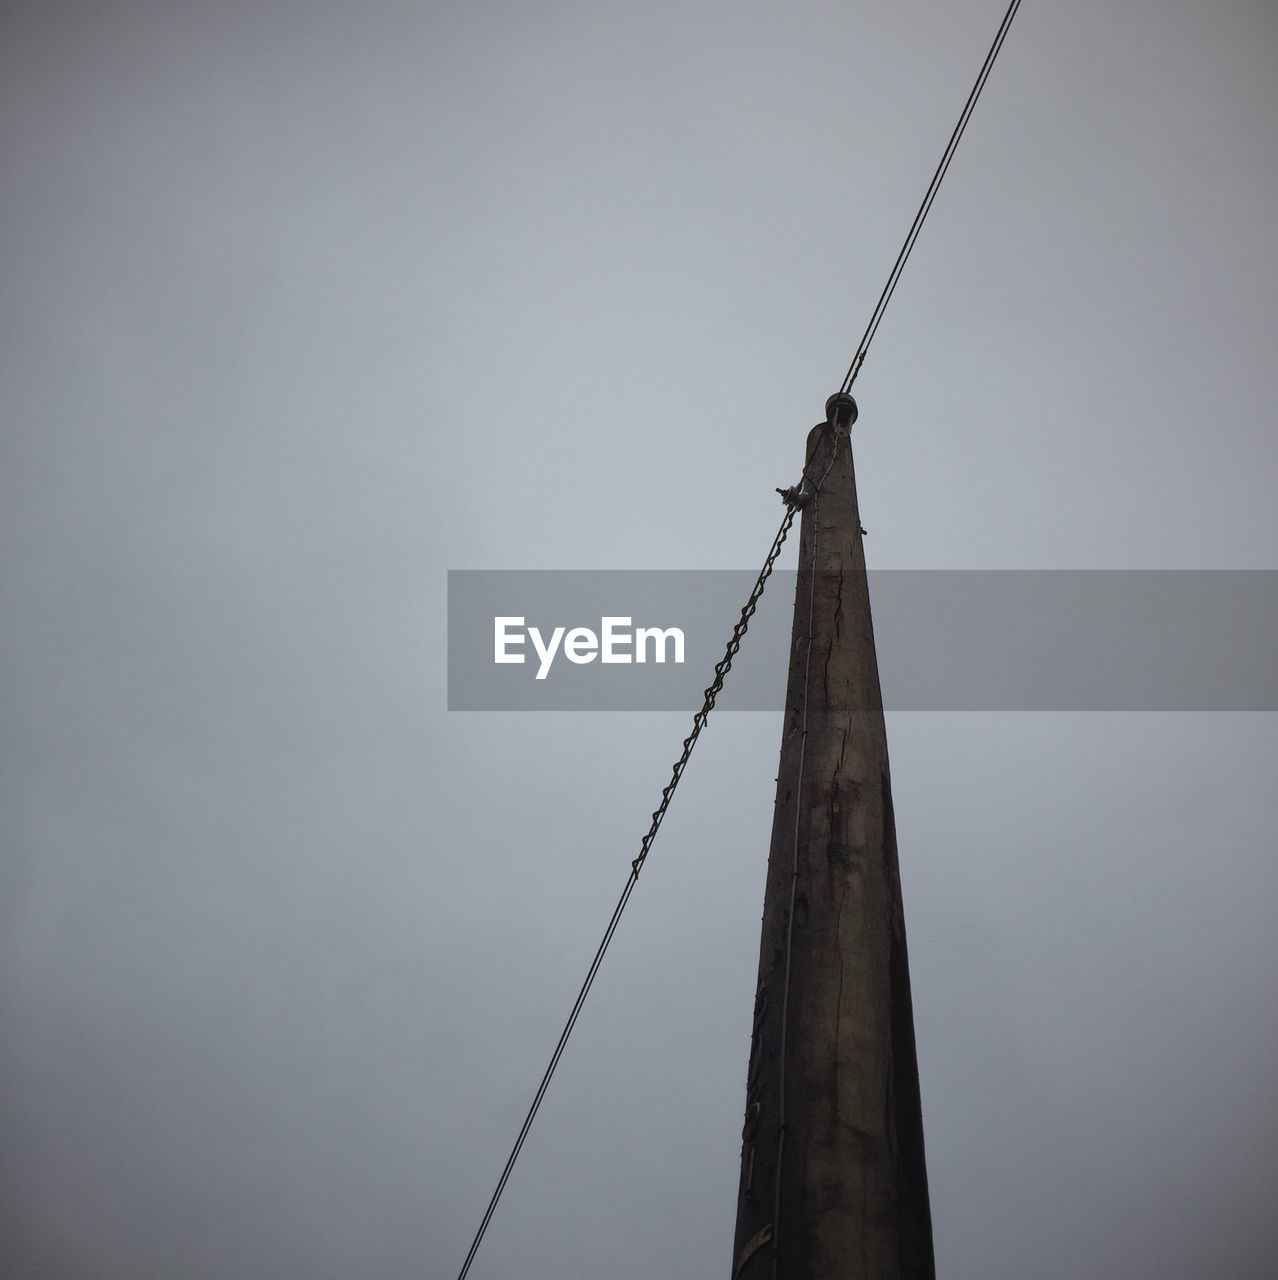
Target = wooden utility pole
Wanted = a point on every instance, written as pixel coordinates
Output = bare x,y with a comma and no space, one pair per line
833,1181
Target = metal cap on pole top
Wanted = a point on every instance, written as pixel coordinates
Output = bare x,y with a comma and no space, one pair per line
841,410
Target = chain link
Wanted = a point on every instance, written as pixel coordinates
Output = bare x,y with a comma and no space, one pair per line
715,687
794,499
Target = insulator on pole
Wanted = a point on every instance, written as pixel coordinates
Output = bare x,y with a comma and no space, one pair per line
841,410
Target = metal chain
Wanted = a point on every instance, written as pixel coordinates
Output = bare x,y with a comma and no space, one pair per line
794,499
722,667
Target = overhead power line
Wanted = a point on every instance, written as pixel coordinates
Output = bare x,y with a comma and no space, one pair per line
794,498
933,187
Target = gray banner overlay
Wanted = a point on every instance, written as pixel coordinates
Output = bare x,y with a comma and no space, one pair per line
966,640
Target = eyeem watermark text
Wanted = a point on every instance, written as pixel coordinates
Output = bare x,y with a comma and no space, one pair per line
961,640
614,642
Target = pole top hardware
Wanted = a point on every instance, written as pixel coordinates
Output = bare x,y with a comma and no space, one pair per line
841,410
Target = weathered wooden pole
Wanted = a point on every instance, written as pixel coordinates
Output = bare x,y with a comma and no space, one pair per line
833,1181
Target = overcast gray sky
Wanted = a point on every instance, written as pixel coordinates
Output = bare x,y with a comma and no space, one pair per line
305,304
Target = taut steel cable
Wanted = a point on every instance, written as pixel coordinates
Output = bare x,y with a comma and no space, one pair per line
933,187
